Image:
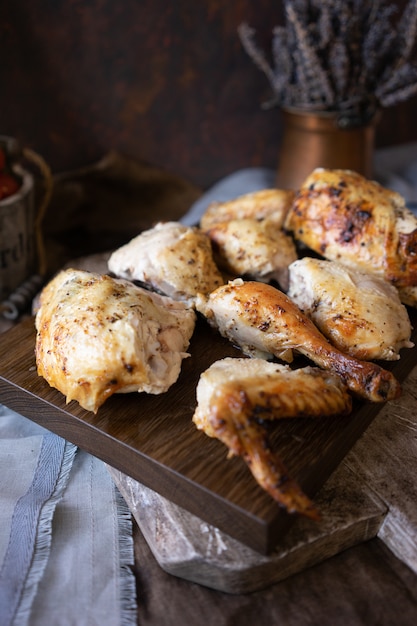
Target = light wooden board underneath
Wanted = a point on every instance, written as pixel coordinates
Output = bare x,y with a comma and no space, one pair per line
187,547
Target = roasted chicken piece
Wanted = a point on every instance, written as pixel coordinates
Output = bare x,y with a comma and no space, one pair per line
264,322
256,249
360,313
170,258
408,295
271,203
233,394
345,217
97,336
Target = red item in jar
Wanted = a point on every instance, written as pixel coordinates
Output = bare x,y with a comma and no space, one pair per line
8,185
2,160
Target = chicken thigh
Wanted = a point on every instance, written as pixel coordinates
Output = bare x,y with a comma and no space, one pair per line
97,336
234,394
171,258
264,322
360,313
345,217
271,203
257,249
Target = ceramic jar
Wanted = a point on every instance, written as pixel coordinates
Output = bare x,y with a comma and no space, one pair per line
18,256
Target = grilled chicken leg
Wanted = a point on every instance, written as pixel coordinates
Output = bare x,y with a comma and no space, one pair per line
264,322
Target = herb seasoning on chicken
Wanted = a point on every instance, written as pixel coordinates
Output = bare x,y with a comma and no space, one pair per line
97,336
345,217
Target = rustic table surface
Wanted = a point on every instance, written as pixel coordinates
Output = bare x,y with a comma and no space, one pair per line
365,585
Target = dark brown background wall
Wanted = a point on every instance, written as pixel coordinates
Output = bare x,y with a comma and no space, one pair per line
167,82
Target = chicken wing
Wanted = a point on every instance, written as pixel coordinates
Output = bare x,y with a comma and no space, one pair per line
345,217
264,322
97,336
234,394
260,250
271,203
360,313
171,258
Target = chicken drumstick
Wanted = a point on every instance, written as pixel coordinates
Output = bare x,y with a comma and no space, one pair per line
264,322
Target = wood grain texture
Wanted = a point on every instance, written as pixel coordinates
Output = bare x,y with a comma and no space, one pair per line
168,83
386,459
152,438
187,547
362,586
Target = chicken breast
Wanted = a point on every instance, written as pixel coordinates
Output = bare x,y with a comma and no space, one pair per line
264,322
256,249
97,336
272,203
233,397
360,313
345,217
173,259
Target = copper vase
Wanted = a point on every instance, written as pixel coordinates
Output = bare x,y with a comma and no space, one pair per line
313,140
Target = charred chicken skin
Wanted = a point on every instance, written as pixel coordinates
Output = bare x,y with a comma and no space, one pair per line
345,217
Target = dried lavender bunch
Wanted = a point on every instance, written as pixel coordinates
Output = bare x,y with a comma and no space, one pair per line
350,56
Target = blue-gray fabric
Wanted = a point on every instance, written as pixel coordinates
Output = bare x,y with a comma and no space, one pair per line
66,543
25,524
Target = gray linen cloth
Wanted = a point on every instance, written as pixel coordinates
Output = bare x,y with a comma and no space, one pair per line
66,546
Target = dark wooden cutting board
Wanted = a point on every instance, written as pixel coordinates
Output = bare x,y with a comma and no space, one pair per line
153,440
